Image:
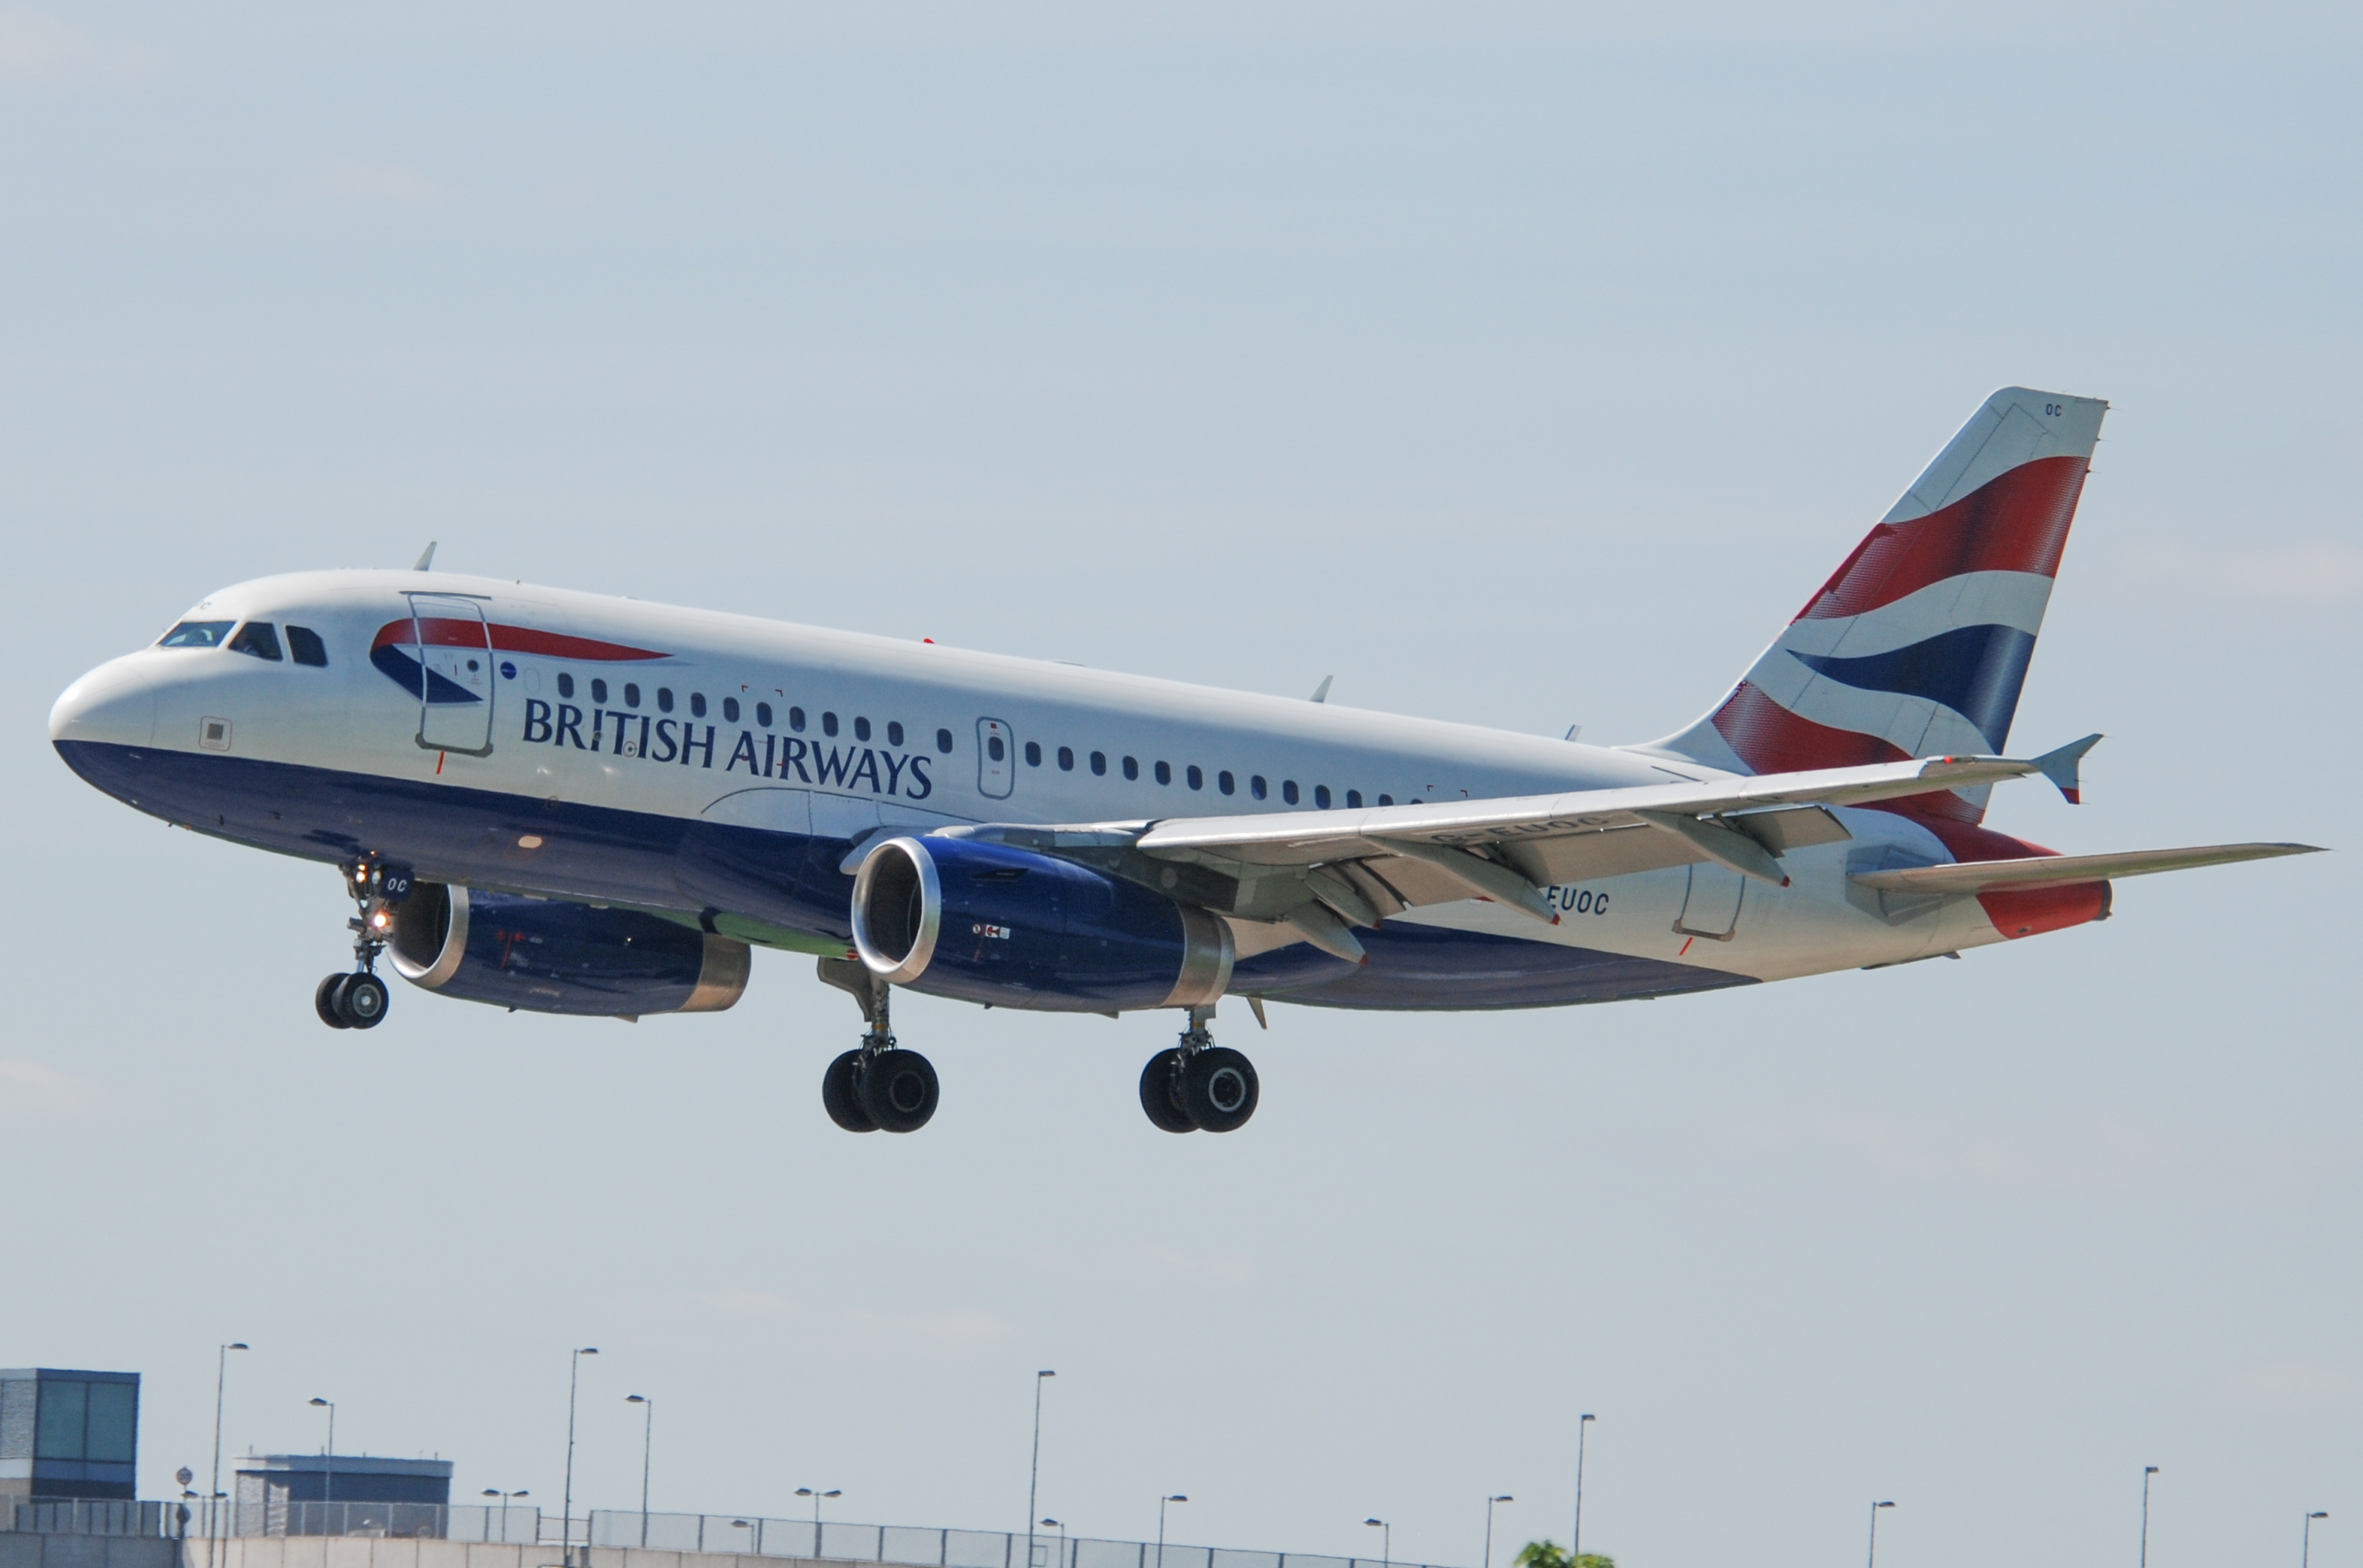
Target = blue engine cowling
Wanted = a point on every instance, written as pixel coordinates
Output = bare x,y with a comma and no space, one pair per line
984,922
548,957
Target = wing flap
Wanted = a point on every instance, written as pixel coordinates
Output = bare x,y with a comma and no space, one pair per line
2061,871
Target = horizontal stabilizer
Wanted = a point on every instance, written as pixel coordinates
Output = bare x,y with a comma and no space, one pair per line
2061,871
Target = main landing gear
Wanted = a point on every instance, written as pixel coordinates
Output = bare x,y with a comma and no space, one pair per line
1199,1086
359,1000
877,1086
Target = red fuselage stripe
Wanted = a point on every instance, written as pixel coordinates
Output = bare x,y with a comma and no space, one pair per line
453,633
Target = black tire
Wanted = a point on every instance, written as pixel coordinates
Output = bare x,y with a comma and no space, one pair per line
1160,1094
840,1092
363,1002
899,1090
324,1001
1218,1089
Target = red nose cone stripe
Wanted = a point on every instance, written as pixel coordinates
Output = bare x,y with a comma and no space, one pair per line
2015,522
453,633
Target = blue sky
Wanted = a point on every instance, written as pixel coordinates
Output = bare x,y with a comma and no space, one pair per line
1526,366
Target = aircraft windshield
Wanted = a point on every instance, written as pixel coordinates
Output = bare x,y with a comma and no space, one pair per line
197,634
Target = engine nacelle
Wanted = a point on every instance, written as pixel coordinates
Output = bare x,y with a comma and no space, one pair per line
548,957
987,923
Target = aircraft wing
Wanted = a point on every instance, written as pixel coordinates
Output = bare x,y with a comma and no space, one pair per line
2059,870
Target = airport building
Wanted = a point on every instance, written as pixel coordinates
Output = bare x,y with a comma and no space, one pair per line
68,1434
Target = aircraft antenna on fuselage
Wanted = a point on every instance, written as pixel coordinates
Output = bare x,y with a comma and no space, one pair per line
426,557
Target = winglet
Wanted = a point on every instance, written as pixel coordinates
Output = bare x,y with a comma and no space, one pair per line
1321,693
2059,767
426,557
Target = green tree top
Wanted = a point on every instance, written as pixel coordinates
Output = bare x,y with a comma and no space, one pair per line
1551,1554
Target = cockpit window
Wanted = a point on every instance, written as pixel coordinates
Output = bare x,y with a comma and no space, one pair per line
259,638
306,645
197,634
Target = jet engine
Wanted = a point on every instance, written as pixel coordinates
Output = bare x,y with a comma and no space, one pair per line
984,922
548,957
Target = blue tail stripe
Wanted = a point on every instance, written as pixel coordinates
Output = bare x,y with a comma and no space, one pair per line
1976,670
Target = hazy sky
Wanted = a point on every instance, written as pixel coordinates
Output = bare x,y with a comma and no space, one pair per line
1523,366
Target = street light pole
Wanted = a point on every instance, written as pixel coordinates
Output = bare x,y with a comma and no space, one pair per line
2305,1554
817,1495
566,1516
504,1497
213,1498
1874,1532
648,1435
329,1460
2147,1471
1575,1540
1176,1498
1386,1540
1034,1471
1060,1526
1487,1561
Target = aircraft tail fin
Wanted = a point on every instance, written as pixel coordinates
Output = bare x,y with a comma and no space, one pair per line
1918,644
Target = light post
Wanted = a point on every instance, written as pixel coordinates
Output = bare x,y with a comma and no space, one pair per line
1575,1539
817,1497
2305,1553
755,1539
1487,1561
328,1462
504,1497
213,1498
566,1514
2147,1471
1874,1532
1176,1498
1060,1526
1034,1472
648,1435
1386,1540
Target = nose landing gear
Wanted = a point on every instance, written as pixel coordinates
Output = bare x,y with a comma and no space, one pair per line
359,1000
877,1086
1199,1086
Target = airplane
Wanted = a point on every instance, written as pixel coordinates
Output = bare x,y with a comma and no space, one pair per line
581,805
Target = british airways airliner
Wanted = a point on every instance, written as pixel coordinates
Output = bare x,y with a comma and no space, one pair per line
598,807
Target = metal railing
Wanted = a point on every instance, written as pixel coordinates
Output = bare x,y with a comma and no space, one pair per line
750,1535
516,1525
100,1515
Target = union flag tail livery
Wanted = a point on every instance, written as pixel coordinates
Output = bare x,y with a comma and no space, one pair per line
568,804
1918,644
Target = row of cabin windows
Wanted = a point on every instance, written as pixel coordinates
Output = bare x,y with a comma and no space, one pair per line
1195,777
256,638
797,721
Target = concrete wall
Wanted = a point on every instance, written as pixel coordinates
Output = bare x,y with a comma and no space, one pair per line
27,1551
366,1552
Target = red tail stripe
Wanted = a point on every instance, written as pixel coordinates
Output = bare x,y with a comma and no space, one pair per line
455,633
2015,522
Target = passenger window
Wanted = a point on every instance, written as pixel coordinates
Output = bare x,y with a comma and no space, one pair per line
598,690
697,705
197,634
565,684
861,729
829,724
1256,786
1197,780
995,750
632,694
1354,800
664,698
1224,782
893,733
1131,768
1066,758
306,645
1288,791
1165,772
729,708
1033,753
1386,800
943,741
259,638
797,719
763,714
1099,763
1320,796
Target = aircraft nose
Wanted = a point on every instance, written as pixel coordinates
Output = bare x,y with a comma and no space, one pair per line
115,704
